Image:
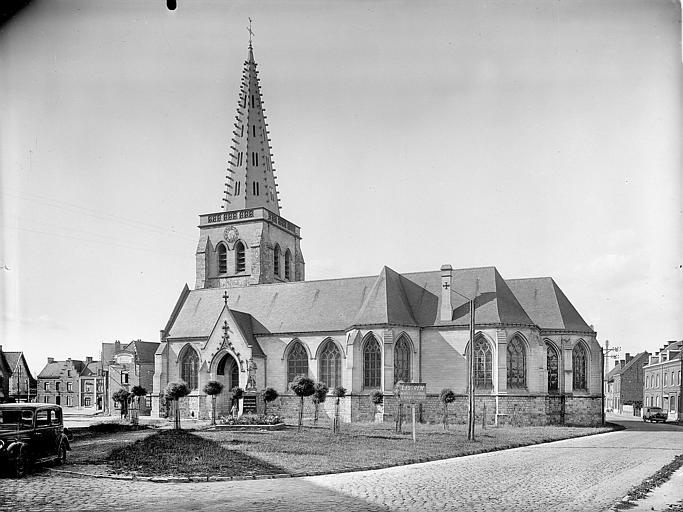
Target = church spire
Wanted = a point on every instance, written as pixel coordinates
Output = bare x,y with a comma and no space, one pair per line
250,179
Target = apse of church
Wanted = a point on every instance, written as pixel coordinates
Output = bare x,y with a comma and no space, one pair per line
253,321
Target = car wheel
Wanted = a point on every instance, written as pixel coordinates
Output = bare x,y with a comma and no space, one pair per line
21,464
61,457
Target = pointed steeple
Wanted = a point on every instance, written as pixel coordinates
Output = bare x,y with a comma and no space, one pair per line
250,180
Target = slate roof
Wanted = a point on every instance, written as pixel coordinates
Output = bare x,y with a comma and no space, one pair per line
57,369
90,369
547,305
144,350
12,359
412,299
107,353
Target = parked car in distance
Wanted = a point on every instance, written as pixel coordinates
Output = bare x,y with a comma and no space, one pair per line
31,434
654,414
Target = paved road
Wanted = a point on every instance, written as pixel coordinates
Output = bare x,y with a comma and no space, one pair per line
587,474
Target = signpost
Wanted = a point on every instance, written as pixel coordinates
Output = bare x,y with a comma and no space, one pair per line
413,393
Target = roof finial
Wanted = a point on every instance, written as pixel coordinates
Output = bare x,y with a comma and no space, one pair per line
251,33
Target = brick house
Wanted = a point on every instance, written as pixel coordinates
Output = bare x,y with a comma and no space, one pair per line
132,365
91,383
16,381
662,385
58,382
625,384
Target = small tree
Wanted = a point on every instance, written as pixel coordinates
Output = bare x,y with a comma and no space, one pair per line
136,392
121,397
319,396
237,394
446,397
339,392
302,386
213,388
176,391
268,395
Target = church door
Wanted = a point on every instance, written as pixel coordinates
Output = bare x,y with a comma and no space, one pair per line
228,374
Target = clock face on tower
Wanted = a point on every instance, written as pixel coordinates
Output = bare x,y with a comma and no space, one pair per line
231,235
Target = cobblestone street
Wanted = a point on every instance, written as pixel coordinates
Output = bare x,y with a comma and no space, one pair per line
586,474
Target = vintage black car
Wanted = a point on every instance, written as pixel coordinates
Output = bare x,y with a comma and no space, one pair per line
31,434
655,414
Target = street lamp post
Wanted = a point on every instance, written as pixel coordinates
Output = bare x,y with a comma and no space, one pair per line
605,354
470,366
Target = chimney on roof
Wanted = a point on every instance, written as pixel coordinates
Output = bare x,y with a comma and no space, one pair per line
628,357
88,359
446,283
50,360
622,362
117,346
616,363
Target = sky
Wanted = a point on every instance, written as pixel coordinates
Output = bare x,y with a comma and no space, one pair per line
540,137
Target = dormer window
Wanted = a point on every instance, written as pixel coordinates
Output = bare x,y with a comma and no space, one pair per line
240,259
222,259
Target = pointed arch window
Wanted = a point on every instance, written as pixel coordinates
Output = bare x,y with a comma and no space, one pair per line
240,258
222,259
189,368
276,260
516,364
553,369
372,364
297,361
253,130
579,366
288,264
402,360
483,364
330,365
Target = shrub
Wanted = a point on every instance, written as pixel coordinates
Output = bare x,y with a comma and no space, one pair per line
446,397
251,419
302,386
339,392
213,388
268,395
377,397
319,396
176,391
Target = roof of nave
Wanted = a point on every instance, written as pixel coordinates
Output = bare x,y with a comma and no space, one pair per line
411,299
547,305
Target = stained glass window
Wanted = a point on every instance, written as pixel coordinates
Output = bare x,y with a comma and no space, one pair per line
372,364
189,368
297,362
402,361
553,369
330,365
579,361
516,364
483,364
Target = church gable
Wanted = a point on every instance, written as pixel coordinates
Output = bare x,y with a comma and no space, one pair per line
232,332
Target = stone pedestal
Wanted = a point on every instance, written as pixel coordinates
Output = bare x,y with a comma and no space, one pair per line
249,403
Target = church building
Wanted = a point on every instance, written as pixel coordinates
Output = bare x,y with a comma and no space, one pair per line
253,321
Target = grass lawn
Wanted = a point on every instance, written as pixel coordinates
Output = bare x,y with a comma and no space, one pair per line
316,450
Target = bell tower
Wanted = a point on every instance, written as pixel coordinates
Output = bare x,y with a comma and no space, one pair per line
248,242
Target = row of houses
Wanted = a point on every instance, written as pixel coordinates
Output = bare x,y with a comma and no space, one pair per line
647,380
76,383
